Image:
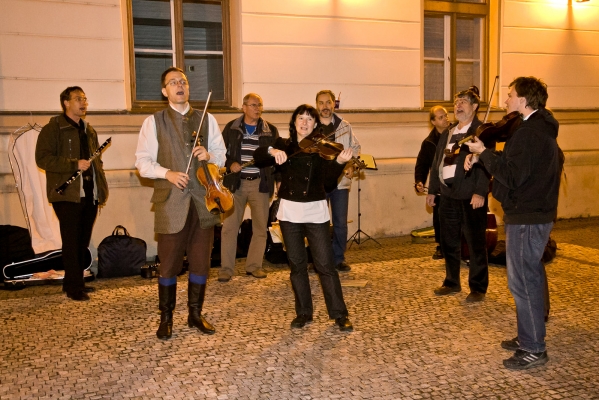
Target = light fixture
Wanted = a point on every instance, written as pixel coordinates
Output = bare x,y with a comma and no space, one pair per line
581,1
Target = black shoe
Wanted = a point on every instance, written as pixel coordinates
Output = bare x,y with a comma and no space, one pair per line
343,267
78,296
525,360
167,299
445,290
475,297
301,320
165,329
196,293
438,254
89,289
511,345
344,324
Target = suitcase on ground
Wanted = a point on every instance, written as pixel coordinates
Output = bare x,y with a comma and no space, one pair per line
121,255
27,270
16,246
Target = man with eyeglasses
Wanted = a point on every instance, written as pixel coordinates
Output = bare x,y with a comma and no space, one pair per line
64,146
182,222
463,206
339,196
250,184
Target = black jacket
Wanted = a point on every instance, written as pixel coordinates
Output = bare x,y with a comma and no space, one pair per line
527,172
233,136
424,162
305,177
476,181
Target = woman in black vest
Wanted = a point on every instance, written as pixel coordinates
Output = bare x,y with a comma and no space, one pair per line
303,212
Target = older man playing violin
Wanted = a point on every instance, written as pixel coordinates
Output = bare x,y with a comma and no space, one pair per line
463,202
303,212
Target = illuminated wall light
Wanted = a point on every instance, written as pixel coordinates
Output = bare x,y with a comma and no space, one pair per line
582,1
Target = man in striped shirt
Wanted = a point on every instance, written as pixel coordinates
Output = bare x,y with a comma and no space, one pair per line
249,184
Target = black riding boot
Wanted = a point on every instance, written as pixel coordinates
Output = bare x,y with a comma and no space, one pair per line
167,297
196,302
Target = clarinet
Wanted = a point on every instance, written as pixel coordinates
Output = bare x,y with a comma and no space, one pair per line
76,175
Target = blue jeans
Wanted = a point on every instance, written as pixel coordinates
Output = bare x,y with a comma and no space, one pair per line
526,279
320,248
339,200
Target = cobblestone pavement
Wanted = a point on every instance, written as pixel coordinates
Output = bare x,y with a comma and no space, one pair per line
407,343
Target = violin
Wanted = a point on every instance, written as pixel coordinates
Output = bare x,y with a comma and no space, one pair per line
218,198
317,142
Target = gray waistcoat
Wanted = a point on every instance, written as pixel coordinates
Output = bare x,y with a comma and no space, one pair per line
175,142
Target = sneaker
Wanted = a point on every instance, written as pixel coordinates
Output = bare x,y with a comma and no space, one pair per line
511,345
525,360
343,267
438,254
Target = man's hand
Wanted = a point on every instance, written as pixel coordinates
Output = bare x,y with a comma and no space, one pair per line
235,167
477,201
430,200
279,155
345,156
469,161
349,172
419,187
475,147
83,165
201,153
179,179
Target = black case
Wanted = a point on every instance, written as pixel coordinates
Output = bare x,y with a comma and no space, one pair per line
121,255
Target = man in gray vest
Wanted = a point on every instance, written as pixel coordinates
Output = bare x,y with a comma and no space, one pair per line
249,183
182,222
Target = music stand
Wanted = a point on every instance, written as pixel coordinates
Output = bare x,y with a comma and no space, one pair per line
366,162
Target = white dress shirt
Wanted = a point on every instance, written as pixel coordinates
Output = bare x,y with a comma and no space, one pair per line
147,147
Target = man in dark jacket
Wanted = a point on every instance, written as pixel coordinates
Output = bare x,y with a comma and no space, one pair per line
463,208
424,162
249,184
64,146
526,182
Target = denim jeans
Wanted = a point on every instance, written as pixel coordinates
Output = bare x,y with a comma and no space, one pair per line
322,255
526,280
339,200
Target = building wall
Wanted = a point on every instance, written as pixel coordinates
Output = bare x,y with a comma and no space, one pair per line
370,51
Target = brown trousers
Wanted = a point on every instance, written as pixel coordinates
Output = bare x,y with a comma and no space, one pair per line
191,240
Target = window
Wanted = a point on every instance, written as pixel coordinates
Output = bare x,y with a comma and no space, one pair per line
454,47
189,34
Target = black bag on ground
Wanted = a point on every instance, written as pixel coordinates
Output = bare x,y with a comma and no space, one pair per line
121,255
16,246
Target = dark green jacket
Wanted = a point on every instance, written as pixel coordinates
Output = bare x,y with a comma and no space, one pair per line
57,152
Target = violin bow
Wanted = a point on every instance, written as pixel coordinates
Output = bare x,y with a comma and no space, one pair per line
195,142
490,98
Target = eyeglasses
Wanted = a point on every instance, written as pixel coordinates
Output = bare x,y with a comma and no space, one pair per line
459,102
80,99
259,105
174,82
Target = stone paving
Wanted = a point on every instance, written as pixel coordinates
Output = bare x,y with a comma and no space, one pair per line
407,343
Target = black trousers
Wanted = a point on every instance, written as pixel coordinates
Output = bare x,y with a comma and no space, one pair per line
436,222
319,239
457,217
76,223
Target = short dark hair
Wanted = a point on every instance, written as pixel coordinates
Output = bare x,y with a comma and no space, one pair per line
472,94
301,110
534,90
433,110
66,95
167,71
329,92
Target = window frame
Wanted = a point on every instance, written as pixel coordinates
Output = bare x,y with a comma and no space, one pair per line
455,10
179,56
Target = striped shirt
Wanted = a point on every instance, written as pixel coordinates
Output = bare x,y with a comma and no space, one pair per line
248,145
